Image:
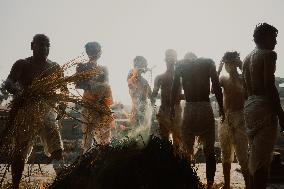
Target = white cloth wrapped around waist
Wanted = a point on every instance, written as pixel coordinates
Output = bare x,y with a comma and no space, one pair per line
258,114
198,117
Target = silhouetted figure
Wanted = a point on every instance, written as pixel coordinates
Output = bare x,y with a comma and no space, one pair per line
164,82
23,73
96,89
198,118
262,106
139,90
232,132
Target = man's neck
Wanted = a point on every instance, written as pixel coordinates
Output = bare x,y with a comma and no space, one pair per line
93,62
39,60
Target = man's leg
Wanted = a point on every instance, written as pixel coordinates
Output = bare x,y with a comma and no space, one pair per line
18,164
226,163
177,129
241,148
87,140
261,152
208,140
51,138
20,154
226,149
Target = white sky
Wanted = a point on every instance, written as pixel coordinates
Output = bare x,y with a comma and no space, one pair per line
127,28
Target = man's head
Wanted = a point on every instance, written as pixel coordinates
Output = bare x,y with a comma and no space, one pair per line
265,36
190,56
170,58
40,46
140,63
93,50
232,61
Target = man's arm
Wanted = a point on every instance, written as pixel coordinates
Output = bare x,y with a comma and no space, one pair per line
175,88
157,85
269,85
64,89
245,76
216,87
11,83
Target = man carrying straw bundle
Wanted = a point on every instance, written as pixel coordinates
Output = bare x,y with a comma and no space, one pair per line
232,132
20,80
97,97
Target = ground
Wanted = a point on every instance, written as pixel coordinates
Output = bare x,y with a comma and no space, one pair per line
36,176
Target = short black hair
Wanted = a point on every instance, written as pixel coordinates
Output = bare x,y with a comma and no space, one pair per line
263,29
40,37
231,56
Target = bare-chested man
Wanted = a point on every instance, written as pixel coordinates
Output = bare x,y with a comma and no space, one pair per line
164,82
262,106
232,132
139,90
198,119
23,73
96,89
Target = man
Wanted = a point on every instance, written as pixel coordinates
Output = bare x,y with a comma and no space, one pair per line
23,73
164,82
96,91
262,106
139,90
232,132
198,119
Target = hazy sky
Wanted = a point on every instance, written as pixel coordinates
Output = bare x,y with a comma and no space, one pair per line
127,28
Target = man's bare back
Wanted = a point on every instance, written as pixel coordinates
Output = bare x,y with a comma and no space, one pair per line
196,78
257,64
165,81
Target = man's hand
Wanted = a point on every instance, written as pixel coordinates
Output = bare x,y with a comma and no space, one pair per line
173,114
281,123
61,111
222,115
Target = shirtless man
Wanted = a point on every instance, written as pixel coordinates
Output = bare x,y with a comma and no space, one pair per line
96,89
139,90
262,106
232,132
23,73
198,119
164,82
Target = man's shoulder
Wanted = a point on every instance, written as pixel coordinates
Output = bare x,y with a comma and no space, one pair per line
207,61
264,53
23,61
52,63
103,68
160,76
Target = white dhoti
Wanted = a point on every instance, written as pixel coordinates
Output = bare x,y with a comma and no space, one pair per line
261,123
44,124
233,138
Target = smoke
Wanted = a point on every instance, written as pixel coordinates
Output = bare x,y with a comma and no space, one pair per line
142,131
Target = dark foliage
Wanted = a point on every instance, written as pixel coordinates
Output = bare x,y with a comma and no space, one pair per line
129,166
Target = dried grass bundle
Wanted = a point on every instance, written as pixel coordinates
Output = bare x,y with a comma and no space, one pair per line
28,109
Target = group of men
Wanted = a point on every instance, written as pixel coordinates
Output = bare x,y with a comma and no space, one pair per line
249,105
